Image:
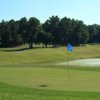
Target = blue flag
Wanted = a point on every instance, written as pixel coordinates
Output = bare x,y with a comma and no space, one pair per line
69,47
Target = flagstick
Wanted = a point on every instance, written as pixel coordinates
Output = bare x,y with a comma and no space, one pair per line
68,68
68,58
68,73
69,47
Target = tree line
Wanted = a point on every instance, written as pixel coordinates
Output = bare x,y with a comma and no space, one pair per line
53,31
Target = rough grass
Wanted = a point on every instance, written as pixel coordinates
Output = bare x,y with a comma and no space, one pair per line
32,74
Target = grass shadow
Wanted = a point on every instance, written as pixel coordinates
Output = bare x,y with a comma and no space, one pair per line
21,49
14,50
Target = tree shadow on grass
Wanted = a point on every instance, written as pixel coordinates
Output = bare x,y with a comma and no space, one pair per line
14,50
22,49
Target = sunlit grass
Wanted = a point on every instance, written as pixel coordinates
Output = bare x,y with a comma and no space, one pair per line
46,55
31,74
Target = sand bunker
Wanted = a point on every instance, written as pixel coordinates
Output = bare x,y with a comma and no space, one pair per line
83,62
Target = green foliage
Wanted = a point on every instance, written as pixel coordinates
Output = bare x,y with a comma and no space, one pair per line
52,26
33,25
53,31
23,28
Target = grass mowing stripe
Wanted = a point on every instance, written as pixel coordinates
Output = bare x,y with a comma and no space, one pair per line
6,88
9,91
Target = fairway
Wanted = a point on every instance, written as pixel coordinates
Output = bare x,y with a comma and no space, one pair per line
35,74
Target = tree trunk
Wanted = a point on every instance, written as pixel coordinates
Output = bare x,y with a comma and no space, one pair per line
46,45
43,45
30,45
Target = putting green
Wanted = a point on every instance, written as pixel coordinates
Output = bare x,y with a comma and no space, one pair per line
52,78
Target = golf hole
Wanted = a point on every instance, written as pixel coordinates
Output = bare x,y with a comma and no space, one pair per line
43,85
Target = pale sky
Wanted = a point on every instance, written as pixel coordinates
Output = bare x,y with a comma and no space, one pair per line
85,10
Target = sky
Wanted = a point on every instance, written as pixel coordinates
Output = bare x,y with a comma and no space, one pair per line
86,10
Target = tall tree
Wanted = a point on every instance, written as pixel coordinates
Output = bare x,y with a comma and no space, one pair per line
23,28
93,32
33,25
51,26
65,29
13,32
81,33
43,37
4,35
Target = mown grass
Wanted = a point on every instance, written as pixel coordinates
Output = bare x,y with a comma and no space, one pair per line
52,78
10,92
31,74
45,55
